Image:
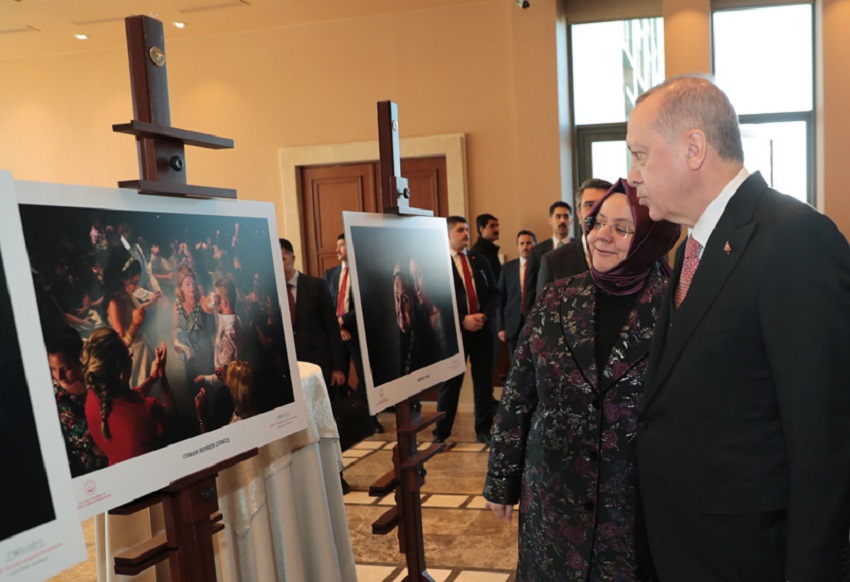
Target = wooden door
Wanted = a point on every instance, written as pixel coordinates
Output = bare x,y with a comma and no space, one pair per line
326,191
426,178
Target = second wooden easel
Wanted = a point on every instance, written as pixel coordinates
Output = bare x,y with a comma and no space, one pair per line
408,473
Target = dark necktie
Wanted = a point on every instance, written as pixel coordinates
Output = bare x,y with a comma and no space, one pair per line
471,298
689,267
291,302
340,300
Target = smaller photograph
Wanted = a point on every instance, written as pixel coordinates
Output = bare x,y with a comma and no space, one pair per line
404,297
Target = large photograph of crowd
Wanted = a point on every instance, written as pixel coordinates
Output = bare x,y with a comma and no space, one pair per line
405,293
159,326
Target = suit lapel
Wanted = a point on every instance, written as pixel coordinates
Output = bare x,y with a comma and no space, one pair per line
633,345
578,326
735,227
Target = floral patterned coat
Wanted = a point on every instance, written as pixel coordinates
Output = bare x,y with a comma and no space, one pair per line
564,438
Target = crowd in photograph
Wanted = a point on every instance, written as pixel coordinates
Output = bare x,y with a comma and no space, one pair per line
155,333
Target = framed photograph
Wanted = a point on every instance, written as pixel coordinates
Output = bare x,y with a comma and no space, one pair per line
405,302
40,533
169,345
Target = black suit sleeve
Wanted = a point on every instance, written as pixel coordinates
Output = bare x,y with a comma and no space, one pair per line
544,274
804,305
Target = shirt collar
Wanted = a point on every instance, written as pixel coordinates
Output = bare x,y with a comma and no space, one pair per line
556,241
711,215
294,280
227,319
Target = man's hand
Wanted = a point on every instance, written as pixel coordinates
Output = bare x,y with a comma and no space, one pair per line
344,333
502,336
337,378
473,322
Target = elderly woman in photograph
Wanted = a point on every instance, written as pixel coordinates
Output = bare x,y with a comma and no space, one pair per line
564,434
124,421
194,325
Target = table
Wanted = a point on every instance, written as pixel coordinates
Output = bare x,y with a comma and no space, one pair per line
283,509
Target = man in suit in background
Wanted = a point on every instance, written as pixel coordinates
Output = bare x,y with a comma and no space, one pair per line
561,222
314,322
571,259
338,280
485,246
477,296
744,434
513,285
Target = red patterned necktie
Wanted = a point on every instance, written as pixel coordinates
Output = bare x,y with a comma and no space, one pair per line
291,302
689,267
471,298
340,300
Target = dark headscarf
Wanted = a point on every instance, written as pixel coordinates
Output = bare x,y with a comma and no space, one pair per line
649,243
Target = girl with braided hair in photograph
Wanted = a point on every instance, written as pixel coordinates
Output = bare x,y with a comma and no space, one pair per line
124,422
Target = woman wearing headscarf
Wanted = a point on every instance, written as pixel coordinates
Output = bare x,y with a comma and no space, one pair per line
564,434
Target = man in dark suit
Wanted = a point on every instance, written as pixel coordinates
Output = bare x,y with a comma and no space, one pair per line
477,298
513,285
338,280
314,323
485,246
571,258
561,221
744,435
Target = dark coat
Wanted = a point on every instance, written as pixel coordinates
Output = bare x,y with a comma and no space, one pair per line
537,252
744,440
565,261
490,251
486,290
564,438
509,316
315,327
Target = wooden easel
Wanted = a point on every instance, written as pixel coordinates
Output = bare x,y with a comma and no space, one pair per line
408,473
190,504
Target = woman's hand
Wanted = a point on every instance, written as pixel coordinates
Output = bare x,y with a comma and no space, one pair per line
158,369
505,512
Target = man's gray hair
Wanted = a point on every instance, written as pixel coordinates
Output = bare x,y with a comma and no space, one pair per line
695,102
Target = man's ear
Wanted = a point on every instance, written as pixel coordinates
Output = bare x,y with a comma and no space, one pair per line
697,146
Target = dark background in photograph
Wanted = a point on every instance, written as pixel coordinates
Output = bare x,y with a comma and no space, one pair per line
24,490
71,251
378,250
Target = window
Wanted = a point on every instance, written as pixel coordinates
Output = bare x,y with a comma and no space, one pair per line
764,61
611,64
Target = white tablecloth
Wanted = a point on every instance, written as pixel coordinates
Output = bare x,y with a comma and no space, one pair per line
283,509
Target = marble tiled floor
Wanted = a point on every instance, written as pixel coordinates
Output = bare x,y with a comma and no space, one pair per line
464,542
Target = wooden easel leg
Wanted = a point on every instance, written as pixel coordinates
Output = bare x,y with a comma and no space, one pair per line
189,531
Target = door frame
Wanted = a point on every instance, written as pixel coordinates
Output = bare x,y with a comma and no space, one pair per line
452,146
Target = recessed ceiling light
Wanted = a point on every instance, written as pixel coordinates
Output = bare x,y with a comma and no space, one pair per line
180,25
81,36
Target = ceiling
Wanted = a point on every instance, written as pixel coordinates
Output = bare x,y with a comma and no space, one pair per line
42,27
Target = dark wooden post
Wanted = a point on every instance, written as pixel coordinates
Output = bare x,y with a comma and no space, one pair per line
408,473
162,162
